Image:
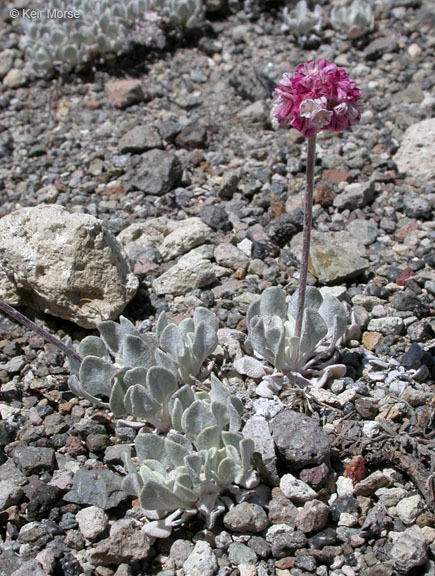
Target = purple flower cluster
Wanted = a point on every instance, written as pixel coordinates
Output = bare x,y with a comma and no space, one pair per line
319,96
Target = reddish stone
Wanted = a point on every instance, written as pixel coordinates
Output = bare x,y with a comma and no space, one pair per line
403,276
323,195
239,274
124,93
406,230
74,446
316,477
335,175
355,469
277,206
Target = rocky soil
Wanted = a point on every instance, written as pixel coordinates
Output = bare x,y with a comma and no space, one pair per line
176,153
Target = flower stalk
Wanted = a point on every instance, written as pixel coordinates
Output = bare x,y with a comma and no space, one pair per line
306,239
10,311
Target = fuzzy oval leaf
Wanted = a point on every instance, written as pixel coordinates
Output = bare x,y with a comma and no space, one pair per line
272,303
208,438
93,346
206,316
197,417
136,352
162,383
204,342
313,300
155,496
96,375
314,329
333,312
171,341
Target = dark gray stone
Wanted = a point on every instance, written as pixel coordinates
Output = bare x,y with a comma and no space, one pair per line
96,487
241,554
158,173
257,429
32,460
416,207
286,543
246,517
139,139
299,440
192,136
216,217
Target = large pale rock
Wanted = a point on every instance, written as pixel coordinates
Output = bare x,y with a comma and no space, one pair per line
193,270
334,256
417,151
67,265
190,233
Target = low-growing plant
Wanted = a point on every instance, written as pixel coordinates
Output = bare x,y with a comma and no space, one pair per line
301,20
272,334
354,20
103,27
194,468
135,374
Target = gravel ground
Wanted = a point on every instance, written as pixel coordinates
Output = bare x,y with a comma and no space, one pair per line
194,127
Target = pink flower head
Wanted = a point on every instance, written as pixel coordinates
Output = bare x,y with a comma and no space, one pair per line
319,96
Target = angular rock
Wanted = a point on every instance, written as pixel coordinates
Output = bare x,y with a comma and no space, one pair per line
296,490
190,233
30,568
139,139
366,231
356,195
286,543
334,256
299,440
409,508
158,173
264,457
100,488
386,325
240,554
417,151
126,543
67,265
10,494
246,517
124,93
192,136
92,522
201,561
312,517
180,551
191,271
409,549
230,256
137,237
32,460
42,499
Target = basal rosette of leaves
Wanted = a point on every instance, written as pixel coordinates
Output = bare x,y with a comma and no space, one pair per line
271,333
103,27
136,374
202,462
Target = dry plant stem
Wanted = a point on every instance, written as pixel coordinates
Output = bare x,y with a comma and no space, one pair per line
46,335
308,209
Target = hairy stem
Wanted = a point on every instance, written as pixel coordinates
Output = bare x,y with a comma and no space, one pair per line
46,335
308,209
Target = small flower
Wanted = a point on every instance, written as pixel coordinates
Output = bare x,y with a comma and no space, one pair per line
319,96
